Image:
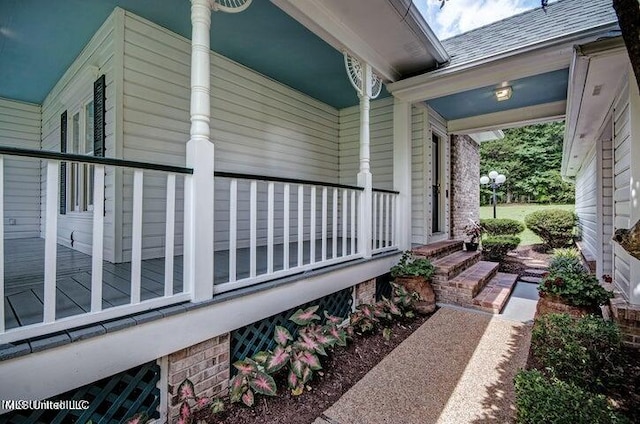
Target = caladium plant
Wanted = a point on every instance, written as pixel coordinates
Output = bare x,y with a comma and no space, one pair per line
252,378
301,356
368,318
192,403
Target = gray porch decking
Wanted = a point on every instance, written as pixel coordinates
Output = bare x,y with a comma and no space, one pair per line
24,276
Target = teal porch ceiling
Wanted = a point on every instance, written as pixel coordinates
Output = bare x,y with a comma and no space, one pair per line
535,90
39,39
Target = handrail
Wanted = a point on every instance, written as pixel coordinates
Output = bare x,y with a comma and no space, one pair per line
283,180
382,190
71,157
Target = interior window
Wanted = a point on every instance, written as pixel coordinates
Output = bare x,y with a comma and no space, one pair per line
81,175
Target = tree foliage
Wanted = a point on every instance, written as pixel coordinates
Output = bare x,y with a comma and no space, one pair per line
530,158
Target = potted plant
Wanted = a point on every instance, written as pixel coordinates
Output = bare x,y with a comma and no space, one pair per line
474,232
577,293
414,274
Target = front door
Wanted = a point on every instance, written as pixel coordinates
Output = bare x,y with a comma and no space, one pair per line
435,183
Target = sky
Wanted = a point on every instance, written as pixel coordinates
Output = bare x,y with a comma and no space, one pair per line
458,16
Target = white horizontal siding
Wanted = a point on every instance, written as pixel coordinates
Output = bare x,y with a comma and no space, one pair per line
621,184
258,126
20,126
381,143
607,203
586,204
99,53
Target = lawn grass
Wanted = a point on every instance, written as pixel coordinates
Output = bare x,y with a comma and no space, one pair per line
518,212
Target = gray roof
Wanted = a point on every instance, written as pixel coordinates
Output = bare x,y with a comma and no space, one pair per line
561,18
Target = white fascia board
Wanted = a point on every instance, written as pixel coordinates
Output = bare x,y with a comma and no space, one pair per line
578,73
319,20
523,62
510,118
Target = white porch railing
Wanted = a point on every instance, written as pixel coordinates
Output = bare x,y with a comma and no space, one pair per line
383,232
289,226
96,312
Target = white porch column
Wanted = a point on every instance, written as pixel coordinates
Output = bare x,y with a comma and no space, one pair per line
199,203
368,86
402,170
365,179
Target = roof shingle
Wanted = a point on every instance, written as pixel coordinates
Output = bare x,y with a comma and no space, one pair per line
561,18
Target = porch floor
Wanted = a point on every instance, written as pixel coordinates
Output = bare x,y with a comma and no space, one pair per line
24,277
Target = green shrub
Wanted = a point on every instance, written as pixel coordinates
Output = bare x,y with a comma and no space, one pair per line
413,266
553,226
577,288
566,261
495,248
539,400
502,226
583,351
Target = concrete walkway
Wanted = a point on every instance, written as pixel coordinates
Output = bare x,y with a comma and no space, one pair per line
458,367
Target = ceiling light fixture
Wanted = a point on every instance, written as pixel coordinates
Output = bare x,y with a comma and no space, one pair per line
503,93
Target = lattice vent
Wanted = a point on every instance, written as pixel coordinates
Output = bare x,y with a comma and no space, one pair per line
258,336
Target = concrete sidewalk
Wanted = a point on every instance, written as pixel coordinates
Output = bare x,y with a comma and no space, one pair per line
457,368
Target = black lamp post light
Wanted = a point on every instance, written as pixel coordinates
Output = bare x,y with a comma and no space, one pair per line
494,180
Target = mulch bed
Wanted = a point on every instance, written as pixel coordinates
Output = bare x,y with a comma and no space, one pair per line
343,368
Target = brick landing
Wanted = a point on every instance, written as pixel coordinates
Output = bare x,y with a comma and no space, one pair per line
496,294
438,249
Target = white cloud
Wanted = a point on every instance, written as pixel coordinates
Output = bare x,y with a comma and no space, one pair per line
458,16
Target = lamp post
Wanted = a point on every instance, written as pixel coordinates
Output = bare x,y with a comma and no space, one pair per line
494,180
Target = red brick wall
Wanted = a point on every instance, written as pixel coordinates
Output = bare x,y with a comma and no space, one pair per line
465,183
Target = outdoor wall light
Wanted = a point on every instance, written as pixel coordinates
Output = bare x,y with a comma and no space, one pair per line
494,180
503,93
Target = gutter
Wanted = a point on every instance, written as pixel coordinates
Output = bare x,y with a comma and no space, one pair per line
409,84
416,22
578,72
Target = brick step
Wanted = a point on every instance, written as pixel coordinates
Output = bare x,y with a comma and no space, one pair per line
534,272
456,262
438,249
472,280
496,293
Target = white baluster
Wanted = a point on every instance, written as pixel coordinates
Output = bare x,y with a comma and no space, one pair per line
345,207
170,222
374,220
253,227
387,241
300,224
233,228
324,224
285,228
312,227
136,236
334,225
50,241
98,238
353,222
270,196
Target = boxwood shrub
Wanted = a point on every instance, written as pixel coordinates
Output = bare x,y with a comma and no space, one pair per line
585,351
495,248
551,401
553,226
502,226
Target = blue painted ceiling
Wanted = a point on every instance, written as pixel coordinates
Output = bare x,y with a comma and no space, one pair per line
39,39
535,90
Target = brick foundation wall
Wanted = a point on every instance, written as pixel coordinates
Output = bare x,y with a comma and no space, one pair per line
206,364
627,316
365,292
465,184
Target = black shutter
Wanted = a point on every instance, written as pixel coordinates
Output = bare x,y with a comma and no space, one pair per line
99,99
63,165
